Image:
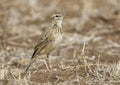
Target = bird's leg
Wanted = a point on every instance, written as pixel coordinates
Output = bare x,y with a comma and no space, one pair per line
47,64
49,61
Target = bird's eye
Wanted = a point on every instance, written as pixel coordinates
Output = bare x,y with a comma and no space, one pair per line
57,16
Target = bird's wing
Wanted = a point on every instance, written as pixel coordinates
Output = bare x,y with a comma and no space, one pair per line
44,40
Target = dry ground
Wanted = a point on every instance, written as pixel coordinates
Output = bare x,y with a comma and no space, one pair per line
88,55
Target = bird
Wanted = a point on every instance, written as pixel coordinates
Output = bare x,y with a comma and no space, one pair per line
48,41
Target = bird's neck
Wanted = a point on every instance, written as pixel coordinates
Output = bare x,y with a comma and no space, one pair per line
57,24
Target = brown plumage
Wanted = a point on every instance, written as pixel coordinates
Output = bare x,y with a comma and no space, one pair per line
49,40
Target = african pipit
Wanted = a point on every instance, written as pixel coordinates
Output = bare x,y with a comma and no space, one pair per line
48,41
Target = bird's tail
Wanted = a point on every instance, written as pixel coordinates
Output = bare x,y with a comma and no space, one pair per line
31,62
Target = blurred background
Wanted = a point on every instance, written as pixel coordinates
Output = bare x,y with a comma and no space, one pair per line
93,23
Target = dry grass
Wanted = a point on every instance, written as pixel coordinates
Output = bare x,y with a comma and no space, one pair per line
88,55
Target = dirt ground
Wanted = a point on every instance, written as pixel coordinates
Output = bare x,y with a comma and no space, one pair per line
88,55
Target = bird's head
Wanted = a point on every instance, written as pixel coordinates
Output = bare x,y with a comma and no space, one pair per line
57,19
